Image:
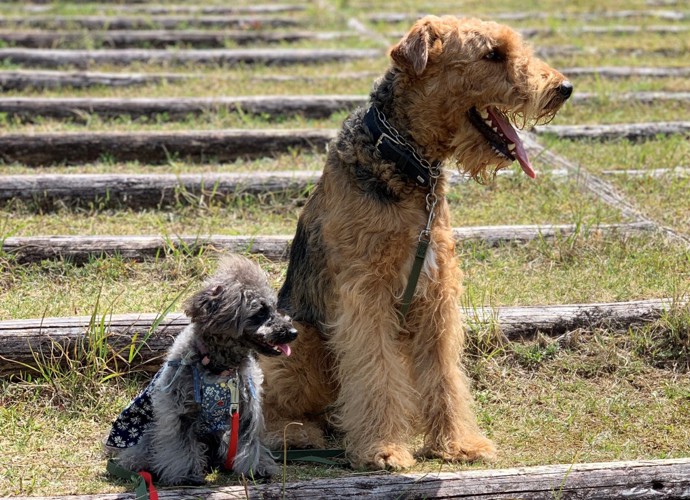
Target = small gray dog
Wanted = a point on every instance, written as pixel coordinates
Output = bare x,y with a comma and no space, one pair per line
203,408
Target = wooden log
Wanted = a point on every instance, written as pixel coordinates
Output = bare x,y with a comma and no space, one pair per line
22,341
49,58
667,15
628,72
159,39
80,249
157,147
630,131
149,190
155,190
147,22
204,10
22,80
637,480
675,172
632,29
311,106
638,97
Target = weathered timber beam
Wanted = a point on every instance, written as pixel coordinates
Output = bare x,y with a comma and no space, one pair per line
49,58
80,249
627,72
629,131
667,15
311,106
21,80
228,145
160,38
153,190
652,172
149,190
157,147
147,22
637,480
631,29
159,9
21,341
637,97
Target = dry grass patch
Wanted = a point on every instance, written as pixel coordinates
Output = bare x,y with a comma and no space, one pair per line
589,397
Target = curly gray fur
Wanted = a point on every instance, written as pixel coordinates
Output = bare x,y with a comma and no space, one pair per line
233,317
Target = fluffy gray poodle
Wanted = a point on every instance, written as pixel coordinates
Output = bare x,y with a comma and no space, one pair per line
203,408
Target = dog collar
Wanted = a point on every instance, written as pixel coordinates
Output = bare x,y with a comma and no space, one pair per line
395,148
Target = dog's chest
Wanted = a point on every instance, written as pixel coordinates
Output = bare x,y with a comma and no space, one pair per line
219,398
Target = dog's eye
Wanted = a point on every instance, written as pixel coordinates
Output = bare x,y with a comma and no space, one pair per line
494,56
261,316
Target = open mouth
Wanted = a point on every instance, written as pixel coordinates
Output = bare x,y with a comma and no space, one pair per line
501,136
268,349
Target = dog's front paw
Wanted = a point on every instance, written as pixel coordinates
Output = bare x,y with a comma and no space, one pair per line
266,467
470,450
384,456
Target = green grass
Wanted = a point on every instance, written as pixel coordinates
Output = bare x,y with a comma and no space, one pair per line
663,199
588,399
586,267
508,200
592,395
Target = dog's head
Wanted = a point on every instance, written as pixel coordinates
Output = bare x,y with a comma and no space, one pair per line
235,313
466,84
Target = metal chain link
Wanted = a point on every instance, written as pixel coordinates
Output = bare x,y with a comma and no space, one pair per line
434,172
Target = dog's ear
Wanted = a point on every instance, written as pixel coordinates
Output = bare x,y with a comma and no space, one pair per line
413,50
203,304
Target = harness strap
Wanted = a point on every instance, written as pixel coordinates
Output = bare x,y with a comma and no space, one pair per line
143,482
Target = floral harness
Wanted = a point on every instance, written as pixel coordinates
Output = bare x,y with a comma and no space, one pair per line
217,395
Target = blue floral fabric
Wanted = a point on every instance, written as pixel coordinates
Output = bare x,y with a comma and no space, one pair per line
129,426
217,395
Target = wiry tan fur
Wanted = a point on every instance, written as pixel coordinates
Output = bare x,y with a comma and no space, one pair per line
355,365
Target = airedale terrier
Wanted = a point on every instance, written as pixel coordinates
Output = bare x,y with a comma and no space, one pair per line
377,374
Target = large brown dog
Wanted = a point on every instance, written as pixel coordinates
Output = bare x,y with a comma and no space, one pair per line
452,89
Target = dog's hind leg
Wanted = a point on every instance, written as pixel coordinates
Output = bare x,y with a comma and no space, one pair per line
298,389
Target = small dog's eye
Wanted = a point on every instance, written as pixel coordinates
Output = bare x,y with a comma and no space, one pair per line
494,56
261,316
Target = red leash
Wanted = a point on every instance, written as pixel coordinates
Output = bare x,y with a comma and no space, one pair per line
232,445
153,493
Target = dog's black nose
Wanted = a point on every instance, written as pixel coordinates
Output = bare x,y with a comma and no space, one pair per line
566,89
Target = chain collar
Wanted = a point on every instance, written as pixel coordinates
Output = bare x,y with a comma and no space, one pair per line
392,146
395,148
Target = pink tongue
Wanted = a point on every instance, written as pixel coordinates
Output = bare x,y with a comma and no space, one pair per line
284,348
510,133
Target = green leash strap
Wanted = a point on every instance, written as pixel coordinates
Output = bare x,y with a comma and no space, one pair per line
419,257
332,457
139,483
